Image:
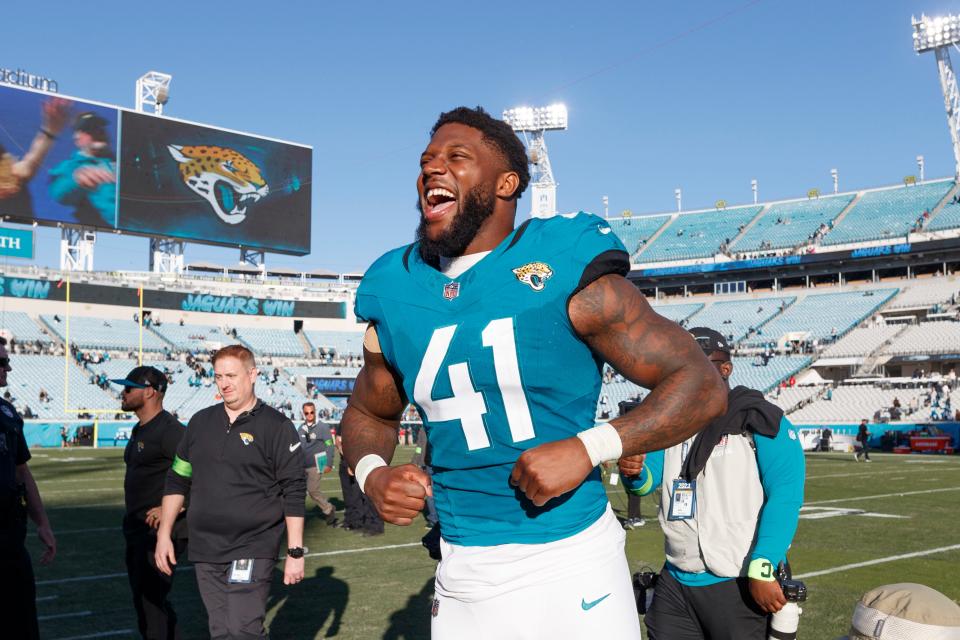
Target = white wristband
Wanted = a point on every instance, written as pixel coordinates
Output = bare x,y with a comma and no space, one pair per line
367,464
602,443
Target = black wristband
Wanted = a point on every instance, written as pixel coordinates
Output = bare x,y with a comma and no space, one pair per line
48,134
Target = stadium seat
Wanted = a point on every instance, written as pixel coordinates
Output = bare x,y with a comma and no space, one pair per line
104,333
22,327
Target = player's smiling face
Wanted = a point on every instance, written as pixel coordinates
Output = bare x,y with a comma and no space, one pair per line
456,161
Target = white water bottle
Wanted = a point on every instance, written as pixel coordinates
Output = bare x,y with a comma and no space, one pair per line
784,623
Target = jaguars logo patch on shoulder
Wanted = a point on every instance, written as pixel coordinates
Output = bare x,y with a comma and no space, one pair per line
246,438
534,274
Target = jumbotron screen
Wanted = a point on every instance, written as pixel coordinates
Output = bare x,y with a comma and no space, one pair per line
69,161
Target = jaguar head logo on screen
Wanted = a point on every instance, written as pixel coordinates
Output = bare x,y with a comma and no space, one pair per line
225,178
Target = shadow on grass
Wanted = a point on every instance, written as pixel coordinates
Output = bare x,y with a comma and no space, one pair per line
413,621
305,608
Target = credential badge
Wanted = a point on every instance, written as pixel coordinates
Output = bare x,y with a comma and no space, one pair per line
534,274
451,290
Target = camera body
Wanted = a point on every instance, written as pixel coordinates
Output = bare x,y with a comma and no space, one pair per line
794,590
644,582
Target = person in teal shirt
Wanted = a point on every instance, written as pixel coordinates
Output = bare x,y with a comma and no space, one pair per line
87,180
729,508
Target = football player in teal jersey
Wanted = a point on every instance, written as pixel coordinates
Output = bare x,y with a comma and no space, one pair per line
498,334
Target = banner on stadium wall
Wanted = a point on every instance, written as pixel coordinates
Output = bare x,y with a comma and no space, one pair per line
16,243
333,386
32,289
69,161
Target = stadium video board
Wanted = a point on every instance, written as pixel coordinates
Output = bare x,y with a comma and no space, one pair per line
68,161
58,159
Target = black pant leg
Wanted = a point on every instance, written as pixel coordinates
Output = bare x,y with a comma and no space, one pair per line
633,506
670,616
726,611
235,611
352,516
18,594
156,618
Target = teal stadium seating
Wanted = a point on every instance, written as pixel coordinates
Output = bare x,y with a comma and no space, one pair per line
698,235
790,223
889,213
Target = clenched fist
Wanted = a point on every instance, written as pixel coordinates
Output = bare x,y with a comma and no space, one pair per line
398,493
631,466
551,470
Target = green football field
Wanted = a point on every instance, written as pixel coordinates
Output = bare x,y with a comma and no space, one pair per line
893,520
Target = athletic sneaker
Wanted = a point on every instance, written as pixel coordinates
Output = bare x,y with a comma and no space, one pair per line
634,523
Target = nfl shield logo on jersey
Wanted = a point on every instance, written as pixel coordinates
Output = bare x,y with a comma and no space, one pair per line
451,290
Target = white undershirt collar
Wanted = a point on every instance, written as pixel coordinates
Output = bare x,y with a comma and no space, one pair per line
455,267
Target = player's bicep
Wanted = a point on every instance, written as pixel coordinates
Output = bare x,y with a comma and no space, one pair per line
377,391
620,326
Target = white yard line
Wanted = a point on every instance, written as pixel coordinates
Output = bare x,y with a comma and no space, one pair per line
57,616
879,471
102,634
869,563
339,552
882,495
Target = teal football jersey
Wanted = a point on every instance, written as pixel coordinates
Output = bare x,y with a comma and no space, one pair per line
494,367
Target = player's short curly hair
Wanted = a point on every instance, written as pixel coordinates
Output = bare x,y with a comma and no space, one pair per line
497,134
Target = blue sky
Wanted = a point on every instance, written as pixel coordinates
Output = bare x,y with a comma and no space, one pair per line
703,95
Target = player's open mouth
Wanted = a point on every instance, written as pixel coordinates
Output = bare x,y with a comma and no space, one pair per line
439,202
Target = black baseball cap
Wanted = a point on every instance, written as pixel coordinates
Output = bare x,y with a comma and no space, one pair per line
91,123
143,377
710,340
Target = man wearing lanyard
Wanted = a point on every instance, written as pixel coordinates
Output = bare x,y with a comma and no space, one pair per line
729,509
318,448
241,467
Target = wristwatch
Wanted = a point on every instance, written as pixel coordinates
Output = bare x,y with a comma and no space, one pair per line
296,552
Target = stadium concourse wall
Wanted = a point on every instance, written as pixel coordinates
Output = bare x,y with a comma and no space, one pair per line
37,297
877,429
44,433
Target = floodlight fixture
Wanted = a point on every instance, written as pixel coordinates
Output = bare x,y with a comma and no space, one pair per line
153,89
536,121
549,118
930,33
938,34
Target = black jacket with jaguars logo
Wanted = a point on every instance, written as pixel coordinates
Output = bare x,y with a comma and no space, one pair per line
242,479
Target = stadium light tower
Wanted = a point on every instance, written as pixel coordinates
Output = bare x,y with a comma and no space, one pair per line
938,35
836,180
755,187
678,194
153,90
920,166
536,121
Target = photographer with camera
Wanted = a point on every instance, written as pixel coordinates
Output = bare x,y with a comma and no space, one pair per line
729,509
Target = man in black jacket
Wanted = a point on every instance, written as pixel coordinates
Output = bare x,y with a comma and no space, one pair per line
241,465
148,455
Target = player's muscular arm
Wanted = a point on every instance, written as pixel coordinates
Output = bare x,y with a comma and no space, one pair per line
613,317
372,416
369,427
